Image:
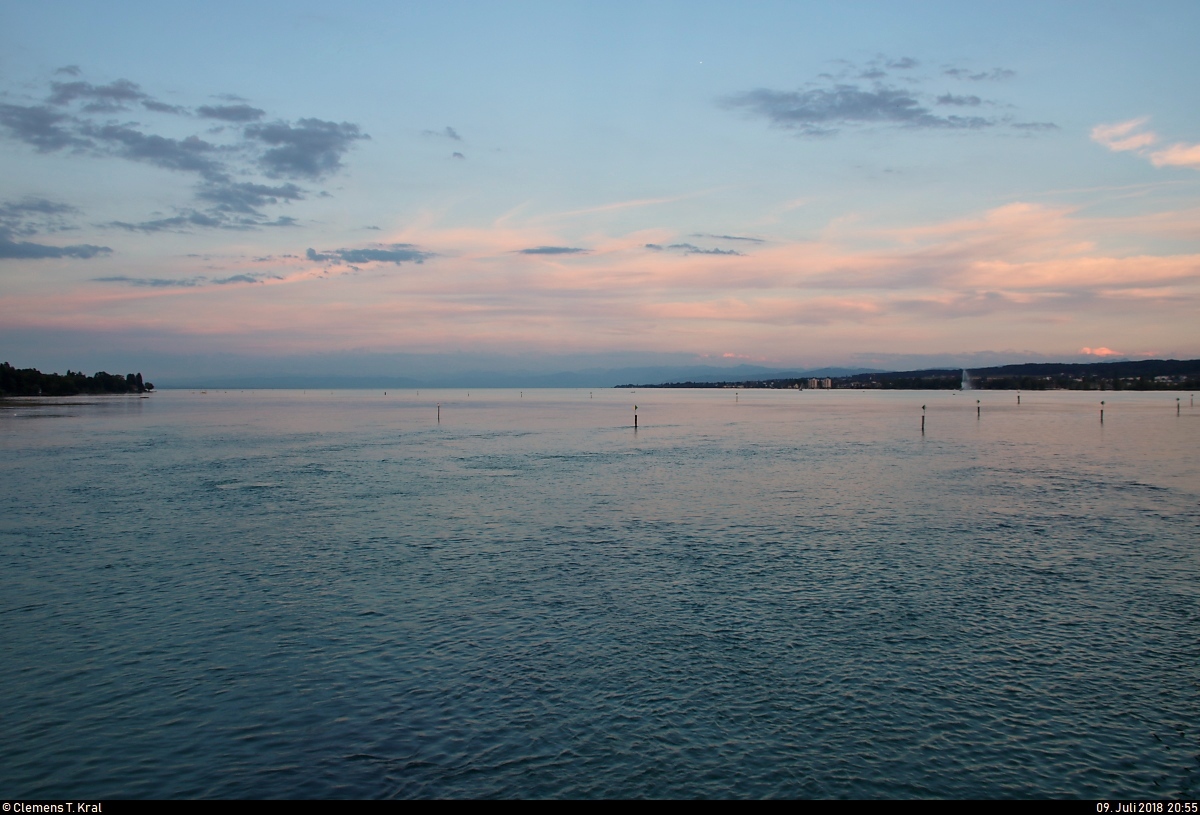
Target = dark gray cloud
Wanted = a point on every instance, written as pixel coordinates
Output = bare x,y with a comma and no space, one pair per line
457,155
40,206
41,127
178,223
388,253
30,216
68,70
690,249
282,220
448,132
994,75
842,100
727,237
184,282
552,250
191,154
153,282
246,197
961,101
190,220
312,148
307,149
25,250
823,111
231,113
114,96
163,107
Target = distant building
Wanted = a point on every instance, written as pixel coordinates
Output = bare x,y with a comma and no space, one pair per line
812,383
827,383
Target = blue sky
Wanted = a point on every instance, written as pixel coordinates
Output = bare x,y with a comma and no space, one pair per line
547,184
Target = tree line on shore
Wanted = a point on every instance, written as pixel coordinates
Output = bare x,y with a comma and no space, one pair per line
32,382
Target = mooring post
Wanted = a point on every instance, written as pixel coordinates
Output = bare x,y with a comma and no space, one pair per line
1101,411
922,420
439,412
976,408
1018,397
635,417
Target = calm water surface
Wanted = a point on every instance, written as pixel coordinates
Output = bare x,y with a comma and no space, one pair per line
315,594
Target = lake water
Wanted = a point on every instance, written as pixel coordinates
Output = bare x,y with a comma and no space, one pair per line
767,593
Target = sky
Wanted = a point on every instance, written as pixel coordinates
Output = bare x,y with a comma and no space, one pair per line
364,187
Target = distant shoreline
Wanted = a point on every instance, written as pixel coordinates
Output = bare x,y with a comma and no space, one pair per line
1143,375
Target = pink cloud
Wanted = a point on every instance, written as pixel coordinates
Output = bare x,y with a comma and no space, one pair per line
1127,136
1123,136
1100,352
1177,155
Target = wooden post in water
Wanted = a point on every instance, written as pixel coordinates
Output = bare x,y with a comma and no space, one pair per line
439,412
1101,411
1018,397
922,420
635,417
976,408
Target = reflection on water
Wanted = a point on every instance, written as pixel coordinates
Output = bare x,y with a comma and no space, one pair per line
787,593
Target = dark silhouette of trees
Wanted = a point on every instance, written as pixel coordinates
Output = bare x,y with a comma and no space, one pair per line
32,382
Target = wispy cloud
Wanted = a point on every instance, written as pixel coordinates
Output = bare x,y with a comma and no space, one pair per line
994,75
1124,136
727,237
446,132
153,282
1131,136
